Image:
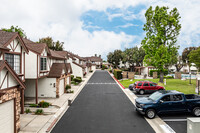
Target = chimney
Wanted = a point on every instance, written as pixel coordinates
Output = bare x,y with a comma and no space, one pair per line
95,55
99,56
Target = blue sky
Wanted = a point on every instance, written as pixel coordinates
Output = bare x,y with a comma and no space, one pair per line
89,27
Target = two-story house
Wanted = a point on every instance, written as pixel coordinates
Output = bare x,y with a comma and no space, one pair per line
96,61
12,78
46,72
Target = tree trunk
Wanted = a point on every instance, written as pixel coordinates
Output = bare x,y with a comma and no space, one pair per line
161,76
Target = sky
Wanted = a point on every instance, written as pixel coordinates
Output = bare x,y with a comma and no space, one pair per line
89,27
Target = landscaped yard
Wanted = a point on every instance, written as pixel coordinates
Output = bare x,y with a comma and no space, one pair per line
172,84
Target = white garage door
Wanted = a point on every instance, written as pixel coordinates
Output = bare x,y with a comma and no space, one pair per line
7,117
61,87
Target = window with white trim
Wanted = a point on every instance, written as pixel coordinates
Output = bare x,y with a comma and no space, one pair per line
43,63
14,61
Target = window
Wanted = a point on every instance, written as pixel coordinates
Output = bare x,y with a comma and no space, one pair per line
139,84
145,84
152,84
43,63
177,97
14,61
166,98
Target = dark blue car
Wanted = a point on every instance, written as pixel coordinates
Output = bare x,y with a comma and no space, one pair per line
166,102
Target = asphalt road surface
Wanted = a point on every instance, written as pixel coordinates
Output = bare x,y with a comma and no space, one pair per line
102,107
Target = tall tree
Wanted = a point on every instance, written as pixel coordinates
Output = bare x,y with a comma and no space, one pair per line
162,29
186,52
115,58
194,57
15,29
58,46
179,64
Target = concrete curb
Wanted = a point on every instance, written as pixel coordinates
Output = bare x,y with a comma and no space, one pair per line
157,123
54,119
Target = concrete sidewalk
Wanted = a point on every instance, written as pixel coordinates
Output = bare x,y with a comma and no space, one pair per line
31,123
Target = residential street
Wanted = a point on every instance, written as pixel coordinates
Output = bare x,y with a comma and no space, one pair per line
102,107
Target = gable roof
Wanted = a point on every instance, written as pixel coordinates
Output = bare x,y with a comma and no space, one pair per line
82,66
38,48
56,54
74,55
94,58
4,64
7,37
57,68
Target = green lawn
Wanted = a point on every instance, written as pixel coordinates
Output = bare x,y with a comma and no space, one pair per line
172,84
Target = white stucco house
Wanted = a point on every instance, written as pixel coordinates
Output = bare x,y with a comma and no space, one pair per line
12,78
96,62
40,74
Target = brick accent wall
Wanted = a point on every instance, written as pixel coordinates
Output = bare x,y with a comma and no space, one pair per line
9,94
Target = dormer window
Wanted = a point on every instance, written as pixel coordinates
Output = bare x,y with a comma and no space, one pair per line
14,61
43,63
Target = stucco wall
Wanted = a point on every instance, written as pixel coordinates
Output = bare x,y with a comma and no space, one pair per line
30,65
77,70
46,87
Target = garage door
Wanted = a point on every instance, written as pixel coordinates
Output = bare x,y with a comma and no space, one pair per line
61,87
7,117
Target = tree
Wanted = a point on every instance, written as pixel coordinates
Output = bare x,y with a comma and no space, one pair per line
58,46
179,64
162,29
16,29
186,52
115,58
194,57
134,56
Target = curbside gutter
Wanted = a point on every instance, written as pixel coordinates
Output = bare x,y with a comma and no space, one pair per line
54,119
157,123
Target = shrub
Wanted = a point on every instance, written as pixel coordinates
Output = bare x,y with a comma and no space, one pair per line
44,104
158,72
72,77
70,91
169,77
34,105
117,74
91,71
39,111
67,87
104,67
110,71
27,111
77,80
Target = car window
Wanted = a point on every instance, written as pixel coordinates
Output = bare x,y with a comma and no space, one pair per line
152,84
177,97
166,98
145,84
139,84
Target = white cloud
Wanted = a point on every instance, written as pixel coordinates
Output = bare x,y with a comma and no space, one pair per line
126,25
61,20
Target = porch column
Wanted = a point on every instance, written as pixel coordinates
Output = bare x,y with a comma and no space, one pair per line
36,91
22,101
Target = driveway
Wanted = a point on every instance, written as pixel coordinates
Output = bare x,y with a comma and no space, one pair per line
102,107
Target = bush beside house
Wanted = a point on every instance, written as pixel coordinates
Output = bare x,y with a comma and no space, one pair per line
117,74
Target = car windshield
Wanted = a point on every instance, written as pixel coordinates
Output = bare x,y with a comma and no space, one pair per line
155,96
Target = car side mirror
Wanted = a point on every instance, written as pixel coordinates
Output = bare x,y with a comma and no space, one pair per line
161,101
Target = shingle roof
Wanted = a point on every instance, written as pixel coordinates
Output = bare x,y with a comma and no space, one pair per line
94,58
27,41
74,55
36,47
57,69
79,65
57,54
7,37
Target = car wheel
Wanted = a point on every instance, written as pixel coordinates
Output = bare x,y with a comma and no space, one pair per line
141,92
150,113
196,111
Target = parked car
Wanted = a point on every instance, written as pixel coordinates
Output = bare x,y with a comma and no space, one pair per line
142,87
168,102
138,83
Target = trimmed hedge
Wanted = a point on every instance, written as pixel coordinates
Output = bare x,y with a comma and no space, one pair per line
151,72
77,80
104,67
169,77
117,74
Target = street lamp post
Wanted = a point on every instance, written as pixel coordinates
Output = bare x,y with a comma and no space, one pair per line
190,77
